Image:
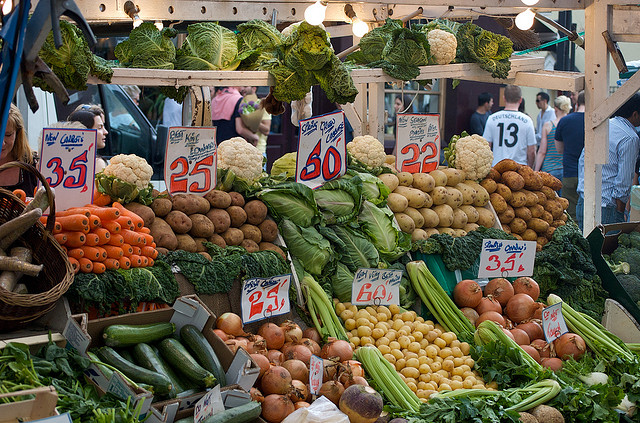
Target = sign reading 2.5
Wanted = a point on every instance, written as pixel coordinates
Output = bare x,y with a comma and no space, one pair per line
322,150
265,297
190,160
68,164
417,143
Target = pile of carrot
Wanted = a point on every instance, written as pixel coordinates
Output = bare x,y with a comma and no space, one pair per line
98,238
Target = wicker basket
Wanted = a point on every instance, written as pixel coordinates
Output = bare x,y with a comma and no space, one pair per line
57,274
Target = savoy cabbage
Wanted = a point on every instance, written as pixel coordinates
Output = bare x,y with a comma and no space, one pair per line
208,46
147,47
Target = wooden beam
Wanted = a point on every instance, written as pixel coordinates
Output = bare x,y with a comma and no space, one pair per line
552,80
608,107
627,21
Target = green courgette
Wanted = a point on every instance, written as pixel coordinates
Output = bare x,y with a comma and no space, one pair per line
195,342
185,420
127,335
126,354
242,414
177,356
150,360
161,384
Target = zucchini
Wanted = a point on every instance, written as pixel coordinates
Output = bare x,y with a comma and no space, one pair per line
126,354
242,414
195,342
127,335
177,356
161,384
147,358
185,420
107,372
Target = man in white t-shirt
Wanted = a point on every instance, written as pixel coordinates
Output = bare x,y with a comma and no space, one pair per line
511,133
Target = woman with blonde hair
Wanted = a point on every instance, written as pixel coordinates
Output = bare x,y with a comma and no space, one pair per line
548,158
15,147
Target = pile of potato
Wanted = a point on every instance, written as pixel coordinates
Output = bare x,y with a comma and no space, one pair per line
440,201
526,201
185,221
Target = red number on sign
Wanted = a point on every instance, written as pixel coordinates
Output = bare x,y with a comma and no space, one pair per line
411,165
364,295
273,295
256,304
429,166
333,155
77,164
56,163
178,181
195,187
380,292
510,262
494,258
312,160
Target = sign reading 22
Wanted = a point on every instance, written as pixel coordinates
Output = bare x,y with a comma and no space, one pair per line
79,163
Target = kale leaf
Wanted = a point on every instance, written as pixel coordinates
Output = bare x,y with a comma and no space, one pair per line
155,283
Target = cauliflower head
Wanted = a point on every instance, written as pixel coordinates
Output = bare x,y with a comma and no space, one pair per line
443,45
130,168
367,150
239,156
473,155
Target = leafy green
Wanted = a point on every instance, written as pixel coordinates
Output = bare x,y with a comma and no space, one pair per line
489,50
373,189
291,84
122,191
307,245
379,225
339,200
286,164
292,201
153,283
147,47
208,46
373,43
307,47
258,35
342,282
352,248
335,79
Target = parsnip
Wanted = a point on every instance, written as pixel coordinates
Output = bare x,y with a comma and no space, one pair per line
15,265
10,231
8,279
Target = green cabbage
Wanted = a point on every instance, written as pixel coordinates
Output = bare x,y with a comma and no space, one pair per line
292,201
352,248
209,46
335,79
342,283
258,35
383,231
339,200
373,189
490,51
308,48
307,245
285,165
147,47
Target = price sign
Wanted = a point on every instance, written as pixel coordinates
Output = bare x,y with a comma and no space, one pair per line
322,149
265,297
190,160
210,404
316,371
62,418
417,143
553,322
506,258
376,286
68,161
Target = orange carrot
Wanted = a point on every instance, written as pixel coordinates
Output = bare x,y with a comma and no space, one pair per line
145,261
76,253
149,252
92,253
128,249
136,260
150,262
100,199
132,237
92,239
74,264
99,267
57,227
86,265
104,213
113,251
56,230
125,222
116,239
137,220
136,250
112,263
153,244
94,221
148,239
74,239
20,194
103,234
125,263
103,253
73,211
73,223
61,238
112,226
144,230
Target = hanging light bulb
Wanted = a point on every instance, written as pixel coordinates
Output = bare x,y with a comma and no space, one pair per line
315,14
159,25
530,2
359,27
525,19
7,6
137,21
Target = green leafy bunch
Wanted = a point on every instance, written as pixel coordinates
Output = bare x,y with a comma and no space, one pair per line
148,47
489,50
122,191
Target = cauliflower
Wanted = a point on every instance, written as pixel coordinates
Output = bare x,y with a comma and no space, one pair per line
242,158
443,46
367,150
130,168
470,153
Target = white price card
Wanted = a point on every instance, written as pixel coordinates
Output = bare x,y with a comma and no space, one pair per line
506,258
553,323
316,372
76,337
209,405
322,149
417,143
68,161
376,286
265,297
190,160
62,418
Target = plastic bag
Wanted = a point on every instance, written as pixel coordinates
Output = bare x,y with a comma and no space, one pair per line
321,411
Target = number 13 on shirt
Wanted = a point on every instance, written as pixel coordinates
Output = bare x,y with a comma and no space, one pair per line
190,160
322,150
417,143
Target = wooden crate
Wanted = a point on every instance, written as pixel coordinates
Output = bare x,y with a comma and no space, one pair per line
40,407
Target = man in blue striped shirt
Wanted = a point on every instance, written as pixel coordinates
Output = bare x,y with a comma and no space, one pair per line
617,174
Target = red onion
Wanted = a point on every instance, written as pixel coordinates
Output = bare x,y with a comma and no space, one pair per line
467,293
275,408
313,334
500,289
337,348
273,335
231,324
570,345
519,308
292,332
526,285
276,380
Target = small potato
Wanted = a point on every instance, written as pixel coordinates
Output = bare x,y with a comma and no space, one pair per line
439,177
390,180
536,210
179,222
415,197
237,199
269,246
200,245
397,202
563,202
550,231
558,223
548,180
186,243
518,226
506,229
417,217
454,197
218,199
518,237
513,180
554,207
542,241
494,175
256,212
218,240
485,217
489,184
252,232
498,202
538,225
507,216
190,203
469,193
564,217
470,227
454,176
220,218
201,226
471,212
405,222
447,231
547,217
538,247
530,235
155,193
431,219
164,251
439,195
429,201
405,179
459,233
145,212
532,180
459,219
390,159
269,230
518,199
445,215
205,255
233,236
541,197
419,235
503,191
523,213
161,206
431,231
250,245
506,165
532,198
238,216
424,182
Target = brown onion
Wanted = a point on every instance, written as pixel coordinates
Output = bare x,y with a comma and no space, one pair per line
521,337
500,289
301,404
533,329
275,408
256,395
273,335
330,368
488,304
292,332
467,293
256,346
491,315
234,344
299,352
470,314
570,345
359,380
526,285
221,334
537,311
297,369
300,391
554,363
276,380
275,357
531,351
312,345
544,349
313,334
519,308
286,347
262,362
337,348
231,324
355,367
332,390
508,333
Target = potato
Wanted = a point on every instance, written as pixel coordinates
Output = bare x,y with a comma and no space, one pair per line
457,233
162,234
549,193
532,180
530,235
155,193
237,199
390,180
507,216
431,219
186,243
237,215
564,217
550,230
405,222
256,212
250,245
205,255
218,199
471,212
390,159
470,227
164,251
469,193
424,182
517,236
538,247
439,177
547,217
417,217
541,197
397,202
523,213
563,202
531,198
445,215
518,226
220,219
503,191
494,175
454,197
233,236
251,232
161,206
498,202
548,180
447,231
179,222
489,184
218,240
269,246
518,199
200,244
557,223
506,165
554,207
429,201
269,230
405,179
145,212
459,219
513,180
419,234
454,176
506,229
431,231
538,225
190,204
485,217
439,195
536,210
415,197
201,226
